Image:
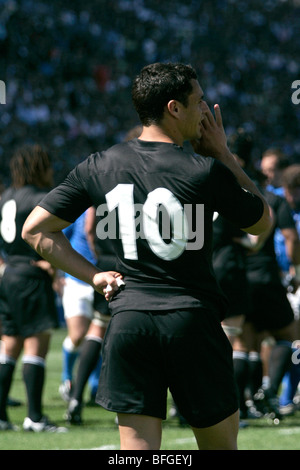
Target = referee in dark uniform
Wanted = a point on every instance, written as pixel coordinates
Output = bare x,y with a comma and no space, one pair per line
27,306
165,331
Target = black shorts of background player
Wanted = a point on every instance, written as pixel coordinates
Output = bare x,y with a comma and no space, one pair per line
27,304
169,313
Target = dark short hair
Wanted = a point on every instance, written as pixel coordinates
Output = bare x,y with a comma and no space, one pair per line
156,85
241,144
291,177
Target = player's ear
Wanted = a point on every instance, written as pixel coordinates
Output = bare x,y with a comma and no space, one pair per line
174,108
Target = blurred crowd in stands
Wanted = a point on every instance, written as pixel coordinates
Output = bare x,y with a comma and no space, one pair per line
68,68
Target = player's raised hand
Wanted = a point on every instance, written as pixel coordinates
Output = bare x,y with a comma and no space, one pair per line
213,141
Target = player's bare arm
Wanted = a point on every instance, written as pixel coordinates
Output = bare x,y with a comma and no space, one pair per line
213,143
292,244
254,243
43,232
90,229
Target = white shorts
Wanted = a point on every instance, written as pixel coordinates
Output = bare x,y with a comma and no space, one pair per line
78,300
295,302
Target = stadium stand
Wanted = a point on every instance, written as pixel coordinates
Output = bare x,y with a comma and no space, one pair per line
68,68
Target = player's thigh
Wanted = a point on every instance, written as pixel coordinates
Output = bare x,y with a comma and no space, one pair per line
287,333
78,327
233,329
38,344
221,436
139,432
11,346
99,323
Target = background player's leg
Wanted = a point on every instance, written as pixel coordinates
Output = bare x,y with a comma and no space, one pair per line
89,356
222,436
77,328
11,347
35,352
233,328
139,432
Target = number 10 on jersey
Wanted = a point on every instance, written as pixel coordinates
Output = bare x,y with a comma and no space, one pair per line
162,217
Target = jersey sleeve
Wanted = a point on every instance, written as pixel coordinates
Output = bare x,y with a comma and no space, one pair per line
230,200
284,215
70,199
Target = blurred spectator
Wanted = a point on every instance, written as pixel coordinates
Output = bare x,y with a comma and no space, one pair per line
68,68
273,162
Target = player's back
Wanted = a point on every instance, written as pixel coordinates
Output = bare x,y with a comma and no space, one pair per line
15,206
164,199
159,200
151,186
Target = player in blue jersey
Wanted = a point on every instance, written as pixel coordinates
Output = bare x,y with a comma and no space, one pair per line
165,331
273,162
291,187
77,303
86,322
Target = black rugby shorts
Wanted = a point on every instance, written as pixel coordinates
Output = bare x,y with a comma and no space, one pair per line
185,351
27,303
270,308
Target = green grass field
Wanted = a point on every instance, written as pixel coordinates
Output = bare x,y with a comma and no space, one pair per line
99,430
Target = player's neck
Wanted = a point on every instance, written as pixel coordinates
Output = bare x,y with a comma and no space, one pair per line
155,133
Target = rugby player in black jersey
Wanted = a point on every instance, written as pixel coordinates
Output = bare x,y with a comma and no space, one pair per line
270,310
27,306
165,330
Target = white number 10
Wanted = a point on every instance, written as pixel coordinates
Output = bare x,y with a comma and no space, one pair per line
122,197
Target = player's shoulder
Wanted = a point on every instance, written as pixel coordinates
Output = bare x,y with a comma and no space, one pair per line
114,151
7,194
208,168
110,159
22,194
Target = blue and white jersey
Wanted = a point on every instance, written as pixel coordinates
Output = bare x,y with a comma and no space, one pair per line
279,240
278,191
77,237
296,216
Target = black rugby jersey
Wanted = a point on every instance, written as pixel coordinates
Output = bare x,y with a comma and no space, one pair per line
158,201
15,206
229,257
262,267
